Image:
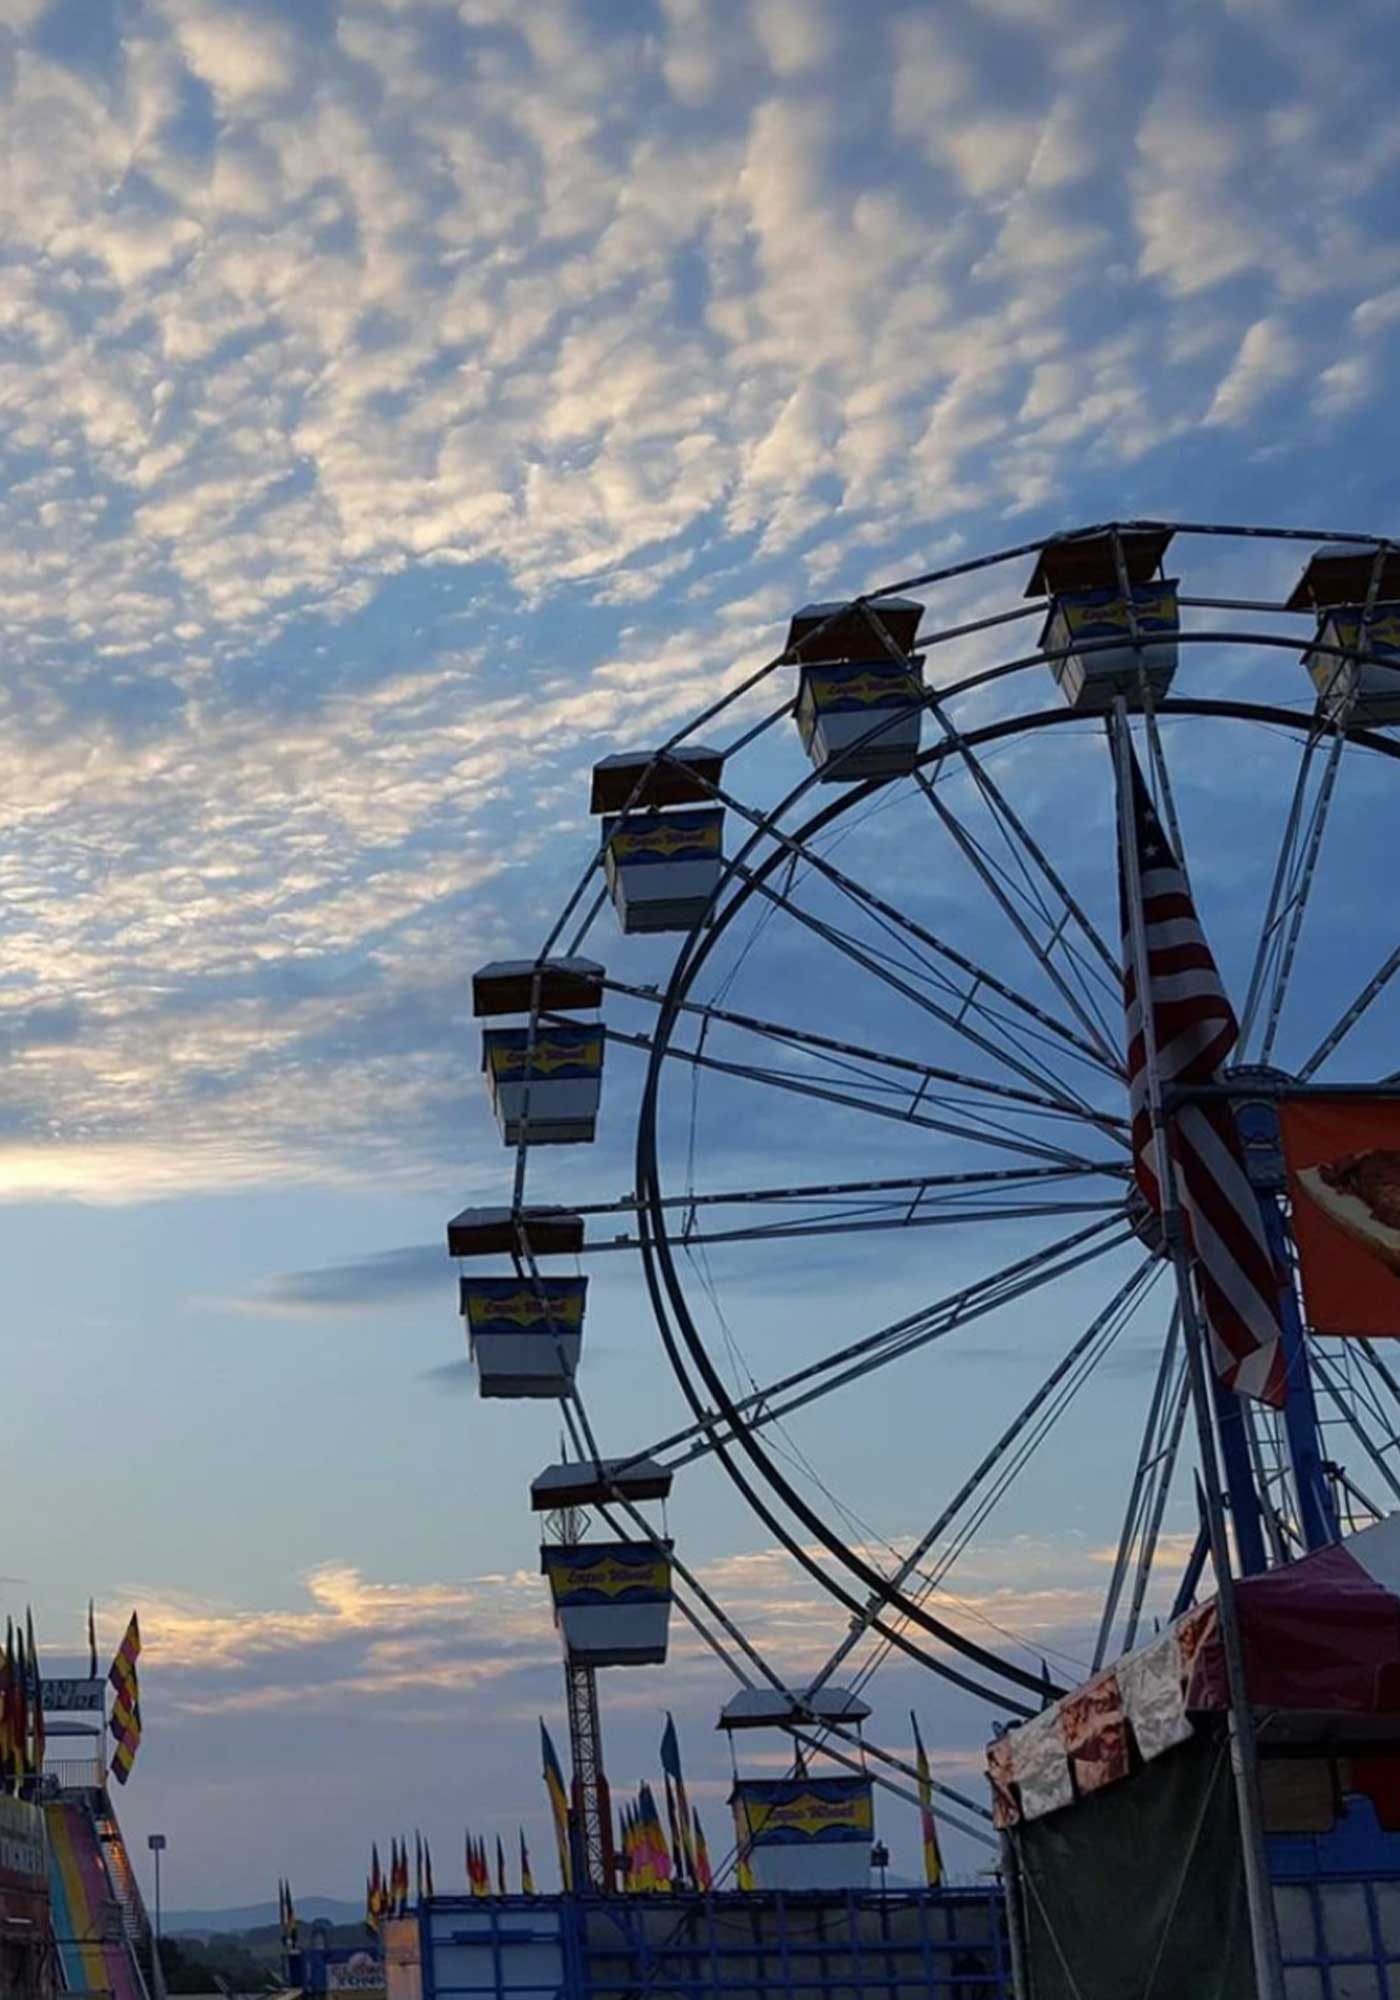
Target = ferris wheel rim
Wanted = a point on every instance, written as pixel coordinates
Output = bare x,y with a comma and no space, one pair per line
656,1243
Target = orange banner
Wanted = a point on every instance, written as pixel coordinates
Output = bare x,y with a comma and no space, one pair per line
1343,1156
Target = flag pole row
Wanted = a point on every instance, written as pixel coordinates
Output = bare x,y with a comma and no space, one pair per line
656,1855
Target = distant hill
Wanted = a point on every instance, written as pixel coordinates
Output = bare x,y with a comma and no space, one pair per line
254,1916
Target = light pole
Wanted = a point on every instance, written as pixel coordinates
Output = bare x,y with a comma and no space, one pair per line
156,1843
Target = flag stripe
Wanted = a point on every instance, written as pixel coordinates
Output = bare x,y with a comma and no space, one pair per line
1193,1031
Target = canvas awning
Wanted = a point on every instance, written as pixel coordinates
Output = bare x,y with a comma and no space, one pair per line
1321,1637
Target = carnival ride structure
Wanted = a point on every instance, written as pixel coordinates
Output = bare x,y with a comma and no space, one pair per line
102,1934
906,968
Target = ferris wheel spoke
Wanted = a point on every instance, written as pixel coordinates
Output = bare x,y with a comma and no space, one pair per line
860,1053
1346,1409
861,1765
1350,1015
971,1182
972,1122
1128,1295
1033,859
1155,1508
1086,1010
1025,1063
1137,1513
766,1405
908,1197
855,1225
913,933
1381,1369
1266,945
1290,889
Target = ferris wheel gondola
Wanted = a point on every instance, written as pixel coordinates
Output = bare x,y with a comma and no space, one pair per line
951,1010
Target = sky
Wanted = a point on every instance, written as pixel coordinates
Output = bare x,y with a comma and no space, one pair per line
402,406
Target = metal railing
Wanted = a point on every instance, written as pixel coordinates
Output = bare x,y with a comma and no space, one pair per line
74,1774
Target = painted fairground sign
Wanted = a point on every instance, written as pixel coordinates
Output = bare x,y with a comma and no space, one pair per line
73,1697
1343,1156
780,1812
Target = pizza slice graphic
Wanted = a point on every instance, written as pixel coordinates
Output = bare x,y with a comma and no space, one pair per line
1361,1195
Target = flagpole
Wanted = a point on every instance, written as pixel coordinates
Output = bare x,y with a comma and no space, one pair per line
1244,1751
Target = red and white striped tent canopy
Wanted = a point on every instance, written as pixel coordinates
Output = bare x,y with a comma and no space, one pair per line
1320,1636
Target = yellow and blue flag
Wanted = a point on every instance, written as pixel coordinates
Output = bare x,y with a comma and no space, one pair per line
558,1806
671,1765
125,1723
933,1857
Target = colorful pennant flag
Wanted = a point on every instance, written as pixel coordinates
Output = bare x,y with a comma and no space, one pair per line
704,1874
680,1815
501,1888
933,1857
743,1862
20,1745
527,1879
92,1643
125,1723
559,1807
36,1699
7,1709
665,1860
374,1890
428,1867
679,1843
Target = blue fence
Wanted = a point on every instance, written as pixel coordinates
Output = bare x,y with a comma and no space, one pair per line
1337,1894
936,1944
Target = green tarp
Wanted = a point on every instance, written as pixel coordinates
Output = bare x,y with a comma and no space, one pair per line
1137,1892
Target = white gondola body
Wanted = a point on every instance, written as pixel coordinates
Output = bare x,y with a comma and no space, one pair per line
663,868
564,1082
861,718
612,1601
805,1833
525,1337
1091,680
1350,689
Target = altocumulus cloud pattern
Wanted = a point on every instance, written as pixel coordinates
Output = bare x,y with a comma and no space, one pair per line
403,400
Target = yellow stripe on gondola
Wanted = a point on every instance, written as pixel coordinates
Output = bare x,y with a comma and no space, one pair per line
610,1578
1158,612
810,1815
525,1309
666,841
1383,635
547,1057
867,689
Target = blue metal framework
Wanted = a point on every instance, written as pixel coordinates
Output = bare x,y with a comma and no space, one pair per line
1340,1937
928,1944
1338,1900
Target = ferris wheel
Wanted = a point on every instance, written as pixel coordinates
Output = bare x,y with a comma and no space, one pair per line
848,949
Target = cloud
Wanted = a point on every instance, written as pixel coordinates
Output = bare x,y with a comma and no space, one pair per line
1268,357
359,1283
380,451
798,35
452,1378
241,54
390,1639
404,1667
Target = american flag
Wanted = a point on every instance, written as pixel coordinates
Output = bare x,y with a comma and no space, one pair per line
1194,1029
